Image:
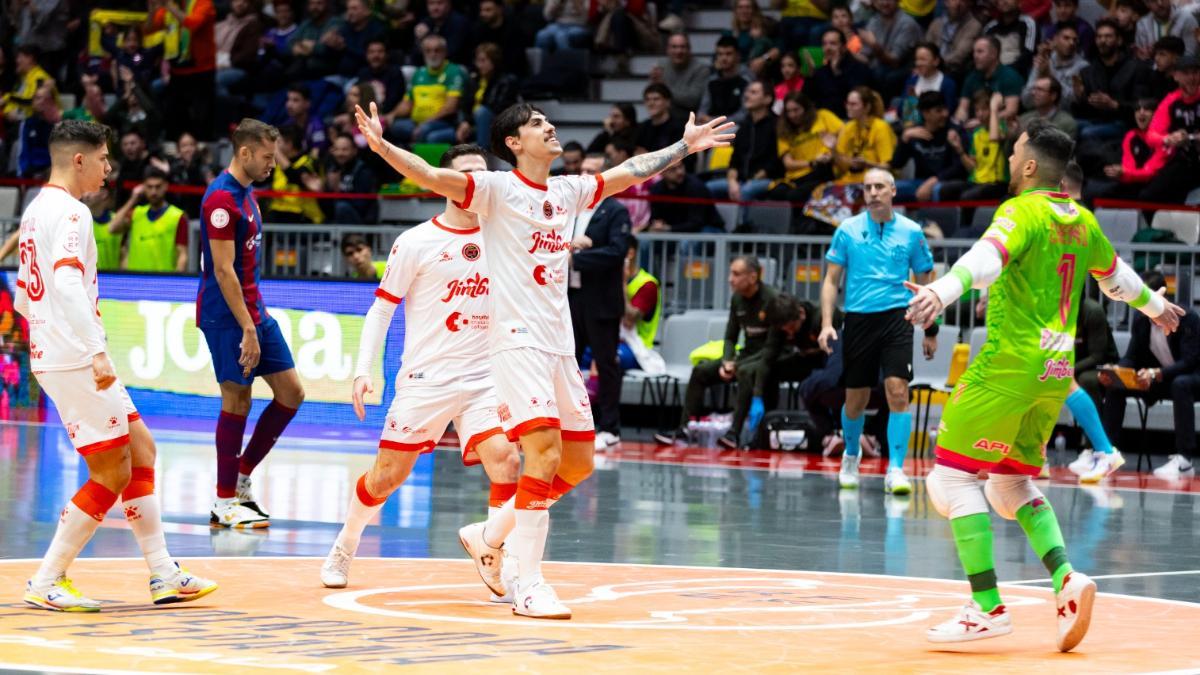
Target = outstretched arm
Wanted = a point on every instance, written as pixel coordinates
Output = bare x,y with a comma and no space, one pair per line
1123,284
445,182
696,137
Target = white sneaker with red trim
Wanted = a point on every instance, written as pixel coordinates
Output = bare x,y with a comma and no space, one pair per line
1074,604
972,623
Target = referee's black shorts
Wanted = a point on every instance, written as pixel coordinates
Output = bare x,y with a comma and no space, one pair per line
875,342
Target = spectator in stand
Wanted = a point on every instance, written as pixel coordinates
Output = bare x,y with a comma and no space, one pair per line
888,42
1066,13
840,74
991,75
190,100
92,107
134,109
933,148
723,91
1140,160
362,95
802,22
841,19
276,51
1126,13
954,34
984,158
1061,60
386,78
359,259
316,47
666,216
866,142
347,172
1168,366
1165,18
33,161
158,231
1106,90
617,152
489,92
299,111
42,23
753,32
494,25
191,165
295,171
685,76
1167,52
790,80
572,160
643,307
566,25
135,159
806,136
359,30
926,76
1016,32
18,103
238,37
621,124
443,20
755,162
145,63
429,111
1046,107
663,126
1176,127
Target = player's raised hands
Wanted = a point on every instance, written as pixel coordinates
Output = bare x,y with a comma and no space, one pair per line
361,387
716,133
924,306
1168,321
370,126
102,372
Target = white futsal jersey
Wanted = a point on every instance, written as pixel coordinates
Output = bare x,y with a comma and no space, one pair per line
56,231
442,276
527,230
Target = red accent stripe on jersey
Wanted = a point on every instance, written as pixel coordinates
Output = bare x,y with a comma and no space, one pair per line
469,194
380,293
101,446
536,186
568,435
69,262
134,416
1104,274
451,230
599,192
1052,195
20,283
532,425
423,446
999,247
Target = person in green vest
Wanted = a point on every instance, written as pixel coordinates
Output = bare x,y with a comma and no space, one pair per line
643,306
108,244
157,231
359,263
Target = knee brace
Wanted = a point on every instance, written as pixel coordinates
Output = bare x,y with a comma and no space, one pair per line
954,493
1008,493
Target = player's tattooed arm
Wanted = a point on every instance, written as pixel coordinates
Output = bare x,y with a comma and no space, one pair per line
696,137
652,163
445,182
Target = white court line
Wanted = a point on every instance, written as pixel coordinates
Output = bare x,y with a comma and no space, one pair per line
29,667
1108,576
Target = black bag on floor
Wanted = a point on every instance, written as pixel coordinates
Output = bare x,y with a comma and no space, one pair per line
791,430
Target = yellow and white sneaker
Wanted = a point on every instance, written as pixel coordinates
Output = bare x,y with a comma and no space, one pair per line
848,474
229,513
59,595
1103,465
179,586
1074,604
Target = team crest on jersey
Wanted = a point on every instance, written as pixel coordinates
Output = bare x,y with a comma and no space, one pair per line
219,218
471,252
547,209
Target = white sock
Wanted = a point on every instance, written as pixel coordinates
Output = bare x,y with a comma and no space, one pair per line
145,519
528,542
357,518
75,529
500,523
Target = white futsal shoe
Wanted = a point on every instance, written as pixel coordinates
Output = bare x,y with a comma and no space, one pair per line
179,586
848,474
1085,462
487,559
972,623
1103,465
896,483
229,513
508,573
59,595
539,601
1176,467
245,497
335,573
1074,604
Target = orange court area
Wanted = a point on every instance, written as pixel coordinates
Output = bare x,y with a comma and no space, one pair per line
272,615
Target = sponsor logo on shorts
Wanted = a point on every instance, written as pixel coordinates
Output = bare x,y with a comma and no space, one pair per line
416,375
471,252
393,425
1056,341
72,429
992,446
113,422
503,412
409,430
472,287
1059,369
551,242
533,401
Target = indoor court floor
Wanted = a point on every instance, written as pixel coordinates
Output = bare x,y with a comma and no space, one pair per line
673,560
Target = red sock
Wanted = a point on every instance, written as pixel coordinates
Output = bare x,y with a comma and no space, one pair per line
532,494
94,499
141,483
500,493
230,428
364,496
559,488
270,424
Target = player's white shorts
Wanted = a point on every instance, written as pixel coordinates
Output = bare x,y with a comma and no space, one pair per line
538,389
419,414
96,420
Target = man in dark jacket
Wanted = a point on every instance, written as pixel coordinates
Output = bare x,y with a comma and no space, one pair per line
596,292
932,150
1108,88
668,216
842,72
347,172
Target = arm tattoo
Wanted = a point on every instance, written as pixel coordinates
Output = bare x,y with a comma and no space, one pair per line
651,163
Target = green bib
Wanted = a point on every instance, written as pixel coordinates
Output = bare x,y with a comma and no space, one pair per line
152,242
108,245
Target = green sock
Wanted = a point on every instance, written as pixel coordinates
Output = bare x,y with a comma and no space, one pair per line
973,539
1040,525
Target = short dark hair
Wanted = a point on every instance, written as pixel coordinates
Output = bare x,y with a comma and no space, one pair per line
727,41
1110,22
750,261
841,38
29,50
930,100
1053,149
353,241
250,130
507,124
982,96
1055,87
301,89
461,150
930,47
624,144
633,244
79,132
572,146
1073,173
288,132
993,41
658,88
1170,43
1066,25
155,172
783,309
628,111
377,40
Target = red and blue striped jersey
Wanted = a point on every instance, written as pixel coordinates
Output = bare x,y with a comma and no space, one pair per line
229,211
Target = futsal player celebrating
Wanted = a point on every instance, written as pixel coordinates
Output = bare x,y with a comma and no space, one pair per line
244,341
1035,256
57,292
525,218
876,249
438,269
